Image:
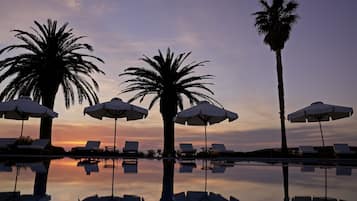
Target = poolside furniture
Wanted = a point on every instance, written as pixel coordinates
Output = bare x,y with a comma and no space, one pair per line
343,171
5,168
131,147
89,165
131,198
35,198
90,146
6,142
130,165
7,196
220,148
324,199
187,149
301,198
187,167
342,149
217,167
39,144
180,196
304,150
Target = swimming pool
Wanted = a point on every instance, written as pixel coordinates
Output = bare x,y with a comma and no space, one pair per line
70,179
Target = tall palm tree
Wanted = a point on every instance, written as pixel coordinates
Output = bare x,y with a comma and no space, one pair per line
168,80
275,22
47,58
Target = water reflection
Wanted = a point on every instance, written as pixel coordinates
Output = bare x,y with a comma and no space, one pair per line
40,184
169,180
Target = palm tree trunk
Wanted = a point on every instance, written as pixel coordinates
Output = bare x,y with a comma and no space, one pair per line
169,132
168,180
40,185
286,181
46,122
279,66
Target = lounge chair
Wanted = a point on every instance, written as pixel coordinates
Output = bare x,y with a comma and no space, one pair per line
220,148
39,144
130,166
187,167
216,197
187,149
131,147
131,198
304,150
180,196
324,199
343,171
342,149
89,165
5,168
90,146
6,142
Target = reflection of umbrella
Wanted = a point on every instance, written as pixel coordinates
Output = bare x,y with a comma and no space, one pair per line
23,108
203,114
318,112
116,108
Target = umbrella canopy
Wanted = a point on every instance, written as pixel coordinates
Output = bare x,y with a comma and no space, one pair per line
204,114
318,111
116,109
23,108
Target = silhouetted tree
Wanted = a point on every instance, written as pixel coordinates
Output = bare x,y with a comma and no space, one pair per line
168,180
168,80
48,58
275,22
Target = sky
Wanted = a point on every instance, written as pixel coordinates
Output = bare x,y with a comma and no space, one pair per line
319,64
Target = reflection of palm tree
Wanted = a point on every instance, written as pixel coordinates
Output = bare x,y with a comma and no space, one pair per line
285,168
168,180
168,80
40,185
275,22
52,58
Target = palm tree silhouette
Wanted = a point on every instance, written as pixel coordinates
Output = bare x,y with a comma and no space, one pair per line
48,58
275,22
168,80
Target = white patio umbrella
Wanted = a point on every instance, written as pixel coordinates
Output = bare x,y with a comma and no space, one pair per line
24,108
116,109
204,114
317,112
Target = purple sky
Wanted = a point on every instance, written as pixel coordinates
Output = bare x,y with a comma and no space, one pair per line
319,60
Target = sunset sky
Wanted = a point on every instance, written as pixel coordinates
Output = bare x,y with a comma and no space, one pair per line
319,62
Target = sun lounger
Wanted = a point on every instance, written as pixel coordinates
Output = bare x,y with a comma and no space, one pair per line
307,150
341,149
39,144
131,147
9,196
187,149
5,168
324,199
343,171
216,197
220,148
35,198
131,198
187,167
231,198
130,166
180,196
6,142
90,146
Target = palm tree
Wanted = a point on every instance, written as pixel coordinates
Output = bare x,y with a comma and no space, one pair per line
275,22
168,80
48,58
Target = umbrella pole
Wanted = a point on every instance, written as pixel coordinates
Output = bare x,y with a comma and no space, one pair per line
113,179
22,127
115,133
322,136
206,138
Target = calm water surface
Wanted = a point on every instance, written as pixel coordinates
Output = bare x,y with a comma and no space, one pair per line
154,179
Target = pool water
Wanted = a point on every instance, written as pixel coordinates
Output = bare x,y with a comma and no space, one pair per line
69,179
